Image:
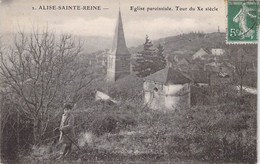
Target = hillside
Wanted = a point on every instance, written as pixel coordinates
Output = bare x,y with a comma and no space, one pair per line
187,43
184,43
97,43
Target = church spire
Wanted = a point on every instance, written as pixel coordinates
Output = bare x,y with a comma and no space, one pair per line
119,44
119,58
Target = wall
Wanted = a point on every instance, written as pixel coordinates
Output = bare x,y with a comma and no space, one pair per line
111,68
169,97
122,67
177,97
153,95
117,67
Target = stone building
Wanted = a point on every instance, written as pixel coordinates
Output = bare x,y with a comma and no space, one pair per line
167,89
118,59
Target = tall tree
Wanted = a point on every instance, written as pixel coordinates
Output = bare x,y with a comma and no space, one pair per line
149,60
241,64
40,71
161,63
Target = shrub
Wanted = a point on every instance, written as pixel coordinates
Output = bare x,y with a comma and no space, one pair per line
216,133
105,119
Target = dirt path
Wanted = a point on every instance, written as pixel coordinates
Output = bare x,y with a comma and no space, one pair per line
248,89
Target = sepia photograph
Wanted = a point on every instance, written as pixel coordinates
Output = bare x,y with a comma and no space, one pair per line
128,81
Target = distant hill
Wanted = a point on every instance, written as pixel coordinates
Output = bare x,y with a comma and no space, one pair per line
91,43
96,43
187,43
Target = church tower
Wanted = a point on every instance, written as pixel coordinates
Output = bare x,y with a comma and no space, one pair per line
118,60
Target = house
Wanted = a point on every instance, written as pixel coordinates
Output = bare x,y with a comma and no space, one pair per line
184,64
200,80
198,77
178,61
167,89
207,54
217,51
219,73
220,78
202,53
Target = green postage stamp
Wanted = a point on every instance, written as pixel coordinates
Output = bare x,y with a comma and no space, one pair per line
242,21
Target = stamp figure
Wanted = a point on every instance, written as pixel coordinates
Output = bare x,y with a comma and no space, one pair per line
242,21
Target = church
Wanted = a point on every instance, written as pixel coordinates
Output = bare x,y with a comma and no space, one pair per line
118,65
118,59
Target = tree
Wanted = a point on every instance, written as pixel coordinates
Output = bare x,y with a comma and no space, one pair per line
241,67
149,60
160,57
40,72
239,61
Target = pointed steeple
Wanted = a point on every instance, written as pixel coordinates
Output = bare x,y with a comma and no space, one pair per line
118,61
119,44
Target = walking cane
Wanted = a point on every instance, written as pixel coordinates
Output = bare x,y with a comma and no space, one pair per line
69,139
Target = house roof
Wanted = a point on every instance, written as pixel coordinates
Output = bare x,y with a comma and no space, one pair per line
194,66
168,75
184,61
201,52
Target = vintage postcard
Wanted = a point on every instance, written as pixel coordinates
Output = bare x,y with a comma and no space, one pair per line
130,81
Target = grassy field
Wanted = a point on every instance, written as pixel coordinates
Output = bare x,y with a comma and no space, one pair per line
127,133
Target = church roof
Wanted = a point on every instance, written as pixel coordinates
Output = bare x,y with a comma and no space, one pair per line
119,44
168,75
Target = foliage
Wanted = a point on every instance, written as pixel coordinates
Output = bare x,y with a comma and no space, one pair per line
218,132
224,131
149,60
189,43
128,88
161,61
241,61
39,74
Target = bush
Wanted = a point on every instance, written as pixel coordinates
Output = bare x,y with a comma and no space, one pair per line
221,133
107,124
105,119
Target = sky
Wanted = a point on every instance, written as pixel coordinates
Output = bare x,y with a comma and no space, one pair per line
18,15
